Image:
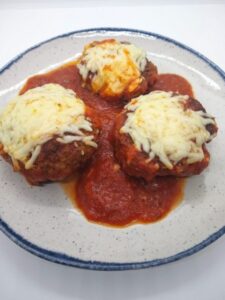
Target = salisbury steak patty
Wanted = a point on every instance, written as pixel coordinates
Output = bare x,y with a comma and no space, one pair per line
139,163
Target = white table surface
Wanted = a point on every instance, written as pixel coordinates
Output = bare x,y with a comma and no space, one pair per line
200,26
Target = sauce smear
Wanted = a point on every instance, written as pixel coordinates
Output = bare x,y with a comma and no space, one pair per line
102,191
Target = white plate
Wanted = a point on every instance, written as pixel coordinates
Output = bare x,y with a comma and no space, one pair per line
42,219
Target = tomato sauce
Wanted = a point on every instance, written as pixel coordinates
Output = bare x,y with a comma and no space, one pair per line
102,191
174,83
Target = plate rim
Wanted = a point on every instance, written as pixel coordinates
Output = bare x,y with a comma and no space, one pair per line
64,259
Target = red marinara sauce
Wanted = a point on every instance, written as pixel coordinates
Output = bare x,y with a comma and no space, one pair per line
101,190
174,83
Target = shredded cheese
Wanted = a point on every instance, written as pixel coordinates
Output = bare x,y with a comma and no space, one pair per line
160,126
32,119
114,66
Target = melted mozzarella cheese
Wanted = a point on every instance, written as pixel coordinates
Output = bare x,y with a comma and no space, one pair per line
115,66
160,126
32,119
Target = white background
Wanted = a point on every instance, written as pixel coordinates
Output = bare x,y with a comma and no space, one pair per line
198,24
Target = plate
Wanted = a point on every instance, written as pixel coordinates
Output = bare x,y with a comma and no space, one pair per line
43,221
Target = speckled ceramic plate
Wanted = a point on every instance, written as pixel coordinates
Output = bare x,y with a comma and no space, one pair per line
43,221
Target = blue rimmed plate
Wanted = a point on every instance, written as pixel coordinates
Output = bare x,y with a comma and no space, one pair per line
43,221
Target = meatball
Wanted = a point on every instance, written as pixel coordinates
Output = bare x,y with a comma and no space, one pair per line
116,70
47,133
139,161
